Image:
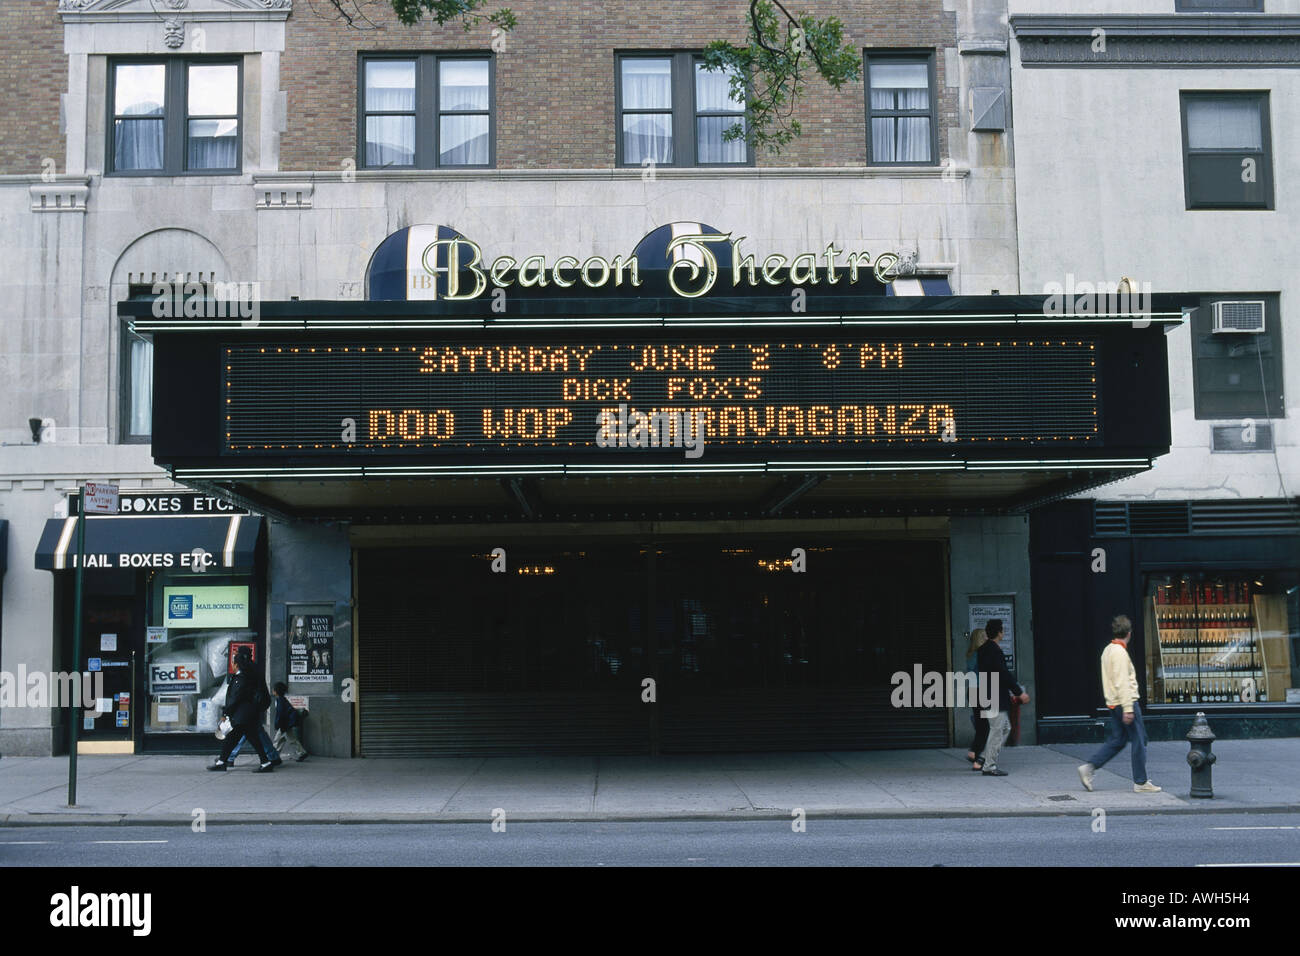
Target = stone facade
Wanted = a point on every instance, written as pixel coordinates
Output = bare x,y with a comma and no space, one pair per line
1111,203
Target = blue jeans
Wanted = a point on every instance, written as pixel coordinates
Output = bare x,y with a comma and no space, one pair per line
1118,734
266,744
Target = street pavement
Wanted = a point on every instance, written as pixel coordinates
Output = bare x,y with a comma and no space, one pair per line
1214,839
1250,775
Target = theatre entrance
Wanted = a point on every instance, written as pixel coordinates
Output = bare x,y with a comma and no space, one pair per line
623,646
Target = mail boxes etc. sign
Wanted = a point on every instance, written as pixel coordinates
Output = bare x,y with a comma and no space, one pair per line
574,396
206,606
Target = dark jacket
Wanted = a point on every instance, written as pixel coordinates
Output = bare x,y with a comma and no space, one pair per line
286,718
241,698
992,661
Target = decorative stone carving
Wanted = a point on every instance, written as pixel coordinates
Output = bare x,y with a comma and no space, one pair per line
173,33
284,195
59,196
906,262
176,4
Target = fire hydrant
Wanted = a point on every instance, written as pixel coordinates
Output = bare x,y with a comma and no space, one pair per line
1199,758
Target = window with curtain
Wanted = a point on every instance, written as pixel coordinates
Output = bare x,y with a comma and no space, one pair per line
139,91
426,111
647,120
900,110
1227,159
390,112
463,114
212,116
716,111
137,387
174,116
674,112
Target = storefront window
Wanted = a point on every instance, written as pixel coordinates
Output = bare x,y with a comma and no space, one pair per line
198,622
1228,638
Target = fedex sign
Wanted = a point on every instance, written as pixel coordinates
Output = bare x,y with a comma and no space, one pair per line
174,677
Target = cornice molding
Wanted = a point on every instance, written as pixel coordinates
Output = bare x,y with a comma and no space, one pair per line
283,179
1179,25
73,11
1188,40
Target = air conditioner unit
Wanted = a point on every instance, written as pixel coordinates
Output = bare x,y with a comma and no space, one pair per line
1242,315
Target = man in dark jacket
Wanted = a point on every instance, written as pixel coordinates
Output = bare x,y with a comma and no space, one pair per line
993,669
246,701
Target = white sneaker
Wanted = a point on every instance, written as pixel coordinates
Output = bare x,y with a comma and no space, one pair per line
1085,775
1147,787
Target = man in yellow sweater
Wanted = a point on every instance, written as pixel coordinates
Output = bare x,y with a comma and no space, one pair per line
1119,683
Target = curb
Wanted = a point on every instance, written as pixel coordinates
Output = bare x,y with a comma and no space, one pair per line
72,818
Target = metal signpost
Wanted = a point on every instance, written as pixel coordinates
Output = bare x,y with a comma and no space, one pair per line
102,499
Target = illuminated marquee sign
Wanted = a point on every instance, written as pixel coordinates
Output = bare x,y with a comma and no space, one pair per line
495,398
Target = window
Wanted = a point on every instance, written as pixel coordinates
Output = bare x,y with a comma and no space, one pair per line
425,111
170,117
1223,638
901,128
1219,6
136,392
135,377
716,111
674,112
1226,151
1237,374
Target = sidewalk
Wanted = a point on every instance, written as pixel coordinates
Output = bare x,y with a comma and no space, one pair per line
1253,775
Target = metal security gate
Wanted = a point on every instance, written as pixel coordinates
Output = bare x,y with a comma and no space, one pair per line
551,656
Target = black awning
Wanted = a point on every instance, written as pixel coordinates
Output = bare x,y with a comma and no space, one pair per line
153,543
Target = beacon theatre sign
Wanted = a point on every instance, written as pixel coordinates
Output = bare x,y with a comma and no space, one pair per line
693,268
462,363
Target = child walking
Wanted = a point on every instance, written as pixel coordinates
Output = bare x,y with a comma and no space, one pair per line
287,722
